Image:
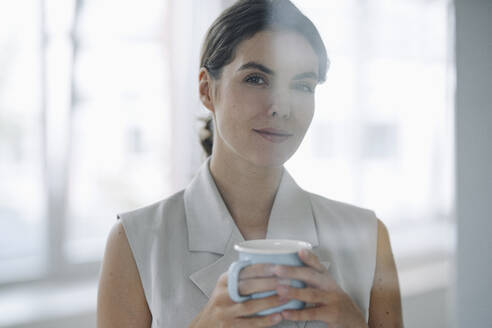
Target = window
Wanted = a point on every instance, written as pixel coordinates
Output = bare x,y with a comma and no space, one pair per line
120,128
382,135
22,162
91,93
84,127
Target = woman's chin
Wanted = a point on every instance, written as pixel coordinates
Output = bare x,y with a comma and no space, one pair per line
270,160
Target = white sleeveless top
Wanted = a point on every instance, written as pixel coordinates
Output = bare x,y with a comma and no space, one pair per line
182,244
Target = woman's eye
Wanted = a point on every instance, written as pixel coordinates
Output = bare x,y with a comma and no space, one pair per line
304,87
255,79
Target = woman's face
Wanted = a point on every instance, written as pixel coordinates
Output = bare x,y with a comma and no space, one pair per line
270,84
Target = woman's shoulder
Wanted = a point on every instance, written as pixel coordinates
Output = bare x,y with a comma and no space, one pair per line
324,205
153,213
348,223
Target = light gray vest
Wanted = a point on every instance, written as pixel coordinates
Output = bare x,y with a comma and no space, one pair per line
183,243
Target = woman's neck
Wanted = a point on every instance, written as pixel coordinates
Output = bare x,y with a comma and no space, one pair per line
248,192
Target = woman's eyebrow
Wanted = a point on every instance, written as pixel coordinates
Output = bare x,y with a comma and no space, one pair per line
267,70
258,66
306,75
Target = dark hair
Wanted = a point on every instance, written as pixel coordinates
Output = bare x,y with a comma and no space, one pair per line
242,21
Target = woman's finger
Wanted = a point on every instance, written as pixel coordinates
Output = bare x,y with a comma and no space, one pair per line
316,313
222,281
265,321
310,259
305,274
308,295
249,286
253,306
257,270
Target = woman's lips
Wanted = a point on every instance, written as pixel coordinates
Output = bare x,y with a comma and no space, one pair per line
273,137
274,131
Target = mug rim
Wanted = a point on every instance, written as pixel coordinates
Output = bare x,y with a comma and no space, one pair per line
294,246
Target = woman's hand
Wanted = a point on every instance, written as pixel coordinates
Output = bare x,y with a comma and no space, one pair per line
330,303
221,311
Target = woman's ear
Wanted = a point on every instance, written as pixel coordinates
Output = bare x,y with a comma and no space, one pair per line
205,89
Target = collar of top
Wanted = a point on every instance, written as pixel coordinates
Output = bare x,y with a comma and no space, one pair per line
212,229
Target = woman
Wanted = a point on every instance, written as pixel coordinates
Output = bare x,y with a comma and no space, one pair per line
165,264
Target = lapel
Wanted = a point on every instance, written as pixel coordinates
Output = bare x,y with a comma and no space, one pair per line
212,229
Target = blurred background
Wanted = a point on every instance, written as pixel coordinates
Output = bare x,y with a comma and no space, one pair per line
99,115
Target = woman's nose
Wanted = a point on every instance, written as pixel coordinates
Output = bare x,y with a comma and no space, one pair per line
280,105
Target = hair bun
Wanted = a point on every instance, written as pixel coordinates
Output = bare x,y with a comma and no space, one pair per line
206,134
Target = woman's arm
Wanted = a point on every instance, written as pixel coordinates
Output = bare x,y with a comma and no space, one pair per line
121,300
385,305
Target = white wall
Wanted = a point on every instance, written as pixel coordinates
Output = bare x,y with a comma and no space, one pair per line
474,162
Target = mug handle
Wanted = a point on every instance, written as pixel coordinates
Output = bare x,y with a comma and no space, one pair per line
232,279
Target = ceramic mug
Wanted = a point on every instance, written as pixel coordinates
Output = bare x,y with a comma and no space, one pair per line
274,251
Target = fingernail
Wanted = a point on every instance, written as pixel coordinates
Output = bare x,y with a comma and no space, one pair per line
279,270
283,299
277,318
